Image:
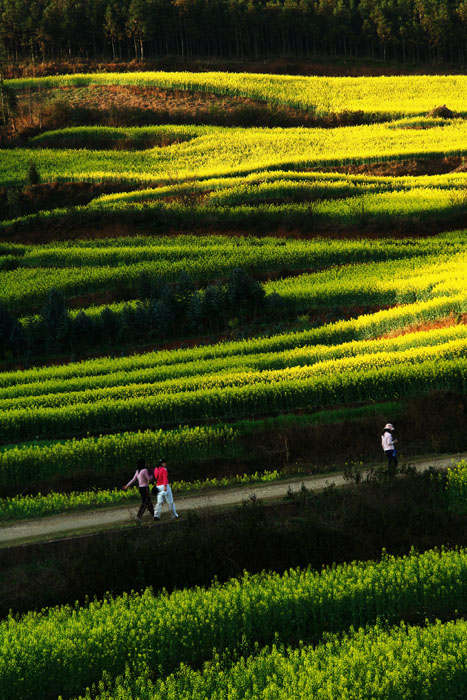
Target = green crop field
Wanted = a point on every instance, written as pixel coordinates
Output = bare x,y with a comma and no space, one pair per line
64,650
332,260
220,151
253,303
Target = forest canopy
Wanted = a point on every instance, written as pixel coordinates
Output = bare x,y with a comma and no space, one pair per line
406,30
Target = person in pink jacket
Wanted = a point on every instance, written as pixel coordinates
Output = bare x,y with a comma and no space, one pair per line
163,490
142,477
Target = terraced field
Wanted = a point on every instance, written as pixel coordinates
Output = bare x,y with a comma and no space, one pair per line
163,288
232,298
88,291
208,152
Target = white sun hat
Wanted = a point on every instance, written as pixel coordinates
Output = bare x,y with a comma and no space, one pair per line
389,426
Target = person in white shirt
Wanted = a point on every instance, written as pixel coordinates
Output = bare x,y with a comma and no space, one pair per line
389,447
142,476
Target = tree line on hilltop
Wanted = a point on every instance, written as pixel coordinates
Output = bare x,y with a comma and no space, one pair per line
408,30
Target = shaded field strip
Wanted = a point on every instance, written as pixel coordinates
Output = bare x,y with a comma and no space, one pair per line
112,226
57,526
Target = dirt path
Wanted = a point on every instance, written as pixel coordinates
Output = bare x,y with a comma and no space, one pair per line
69,524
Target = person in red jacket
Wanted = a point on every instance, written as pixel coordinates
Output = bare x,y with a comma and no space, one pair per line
164,492
142,476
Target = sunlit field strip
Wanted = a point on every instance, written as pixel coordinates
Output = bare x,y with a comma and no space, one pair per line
317,252
318,180
414,211
384,95
300,392
24,289
225,151
168,136
239,377
365,326
310,355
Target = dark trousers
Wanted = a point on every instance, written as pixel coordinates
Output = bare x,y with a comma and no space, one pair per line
145,501
392,461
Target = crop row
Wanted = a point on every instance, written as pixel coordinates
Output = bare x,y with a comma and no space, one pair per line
434,208
295,203
64,650
366,326
390,282
374,662
112,454
312,185
369,283
387,95
240,377
324,197
103,137
237,401
243,251
27,287
108,454
223,151
161,375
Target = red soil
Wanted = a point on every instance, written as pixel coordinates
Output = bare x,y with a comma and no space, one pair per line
451,320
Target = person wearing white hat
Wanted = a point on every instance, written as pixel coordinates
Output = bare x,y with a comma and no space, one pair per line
389,447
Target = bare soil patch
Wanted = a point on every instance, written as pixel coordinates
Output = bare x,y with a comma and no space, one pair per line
120,105
447,322
42,109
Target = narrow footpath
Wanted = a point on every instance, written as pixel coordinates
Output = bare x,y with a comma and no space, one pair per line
79,523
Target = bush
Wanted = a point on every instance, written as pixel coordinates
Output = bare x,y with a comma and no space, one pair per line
34,177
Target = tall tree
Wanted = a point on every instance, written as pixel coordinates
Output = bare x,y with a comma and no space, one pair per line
8,103
140,24
114,27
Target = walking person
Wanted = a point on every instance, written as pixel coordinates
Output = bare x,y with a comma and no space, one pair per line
389,446
142,477
163,490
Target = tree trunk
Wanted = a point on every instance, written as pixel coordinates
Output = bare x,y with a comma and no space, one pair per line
182,43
